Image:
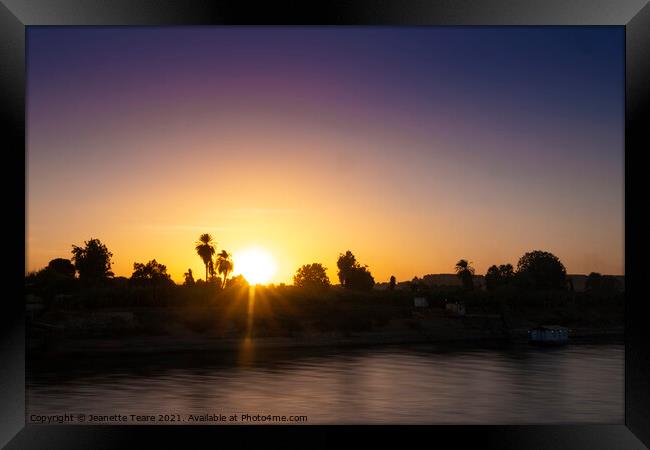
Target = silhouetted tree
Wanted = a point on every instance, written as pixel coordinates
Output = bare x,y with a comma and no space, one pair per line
361,279
352,275
205,249
311,276
594,281
416,285
216,281
56,278
225,265
151,274
62,266
497,276
346,263
541,270
601,283
189,278
465,272
237,282
93,261
392,282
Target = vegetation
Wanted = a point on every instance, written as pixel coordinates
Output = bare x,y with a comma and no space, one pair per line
189,278
205,250
353,275
236,282
601,284
499,276
534,293
312,276
299,311
221,264
63,267
417,286
224,265
539,270
151,273
466,273
93,261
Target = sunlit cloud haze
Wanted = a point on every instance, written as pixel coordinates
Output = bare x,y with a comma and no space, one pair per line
412,147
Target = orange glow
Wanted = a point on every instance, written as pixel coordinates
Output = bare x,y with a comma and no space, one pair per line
255,264
305,158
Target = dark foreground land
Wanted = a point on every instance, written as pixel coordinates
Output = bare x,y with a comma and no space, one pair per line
179,318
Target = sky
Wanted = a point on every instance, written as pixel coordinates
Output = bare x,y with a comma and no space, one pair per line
412,147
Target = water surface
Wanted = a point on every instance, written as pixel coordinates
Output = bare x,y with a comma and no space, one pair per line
419,384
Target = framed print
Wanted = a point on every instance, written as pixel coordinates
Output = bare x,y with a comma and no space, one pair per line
293,222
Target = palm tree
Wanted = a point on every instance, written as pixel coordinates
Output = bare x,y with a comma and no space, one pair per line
211,269
205,249
224,265
465,272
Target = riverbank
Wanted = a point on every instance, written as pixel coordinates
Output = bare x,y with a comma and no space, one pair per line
187,344
288,317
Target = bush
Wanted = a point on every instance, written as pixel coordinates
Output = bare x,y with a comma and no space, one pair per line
541,270
313,276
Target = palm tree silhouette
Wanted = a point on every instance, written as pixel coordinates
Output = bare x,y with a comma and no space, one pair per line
211,269
205,249
224,265
465,272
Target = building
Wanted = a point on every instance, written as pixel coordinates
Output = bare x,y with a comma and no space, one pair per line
455,309
420,302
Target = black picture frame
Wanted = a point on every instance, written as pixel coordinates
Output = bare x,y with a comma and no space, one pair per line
634,15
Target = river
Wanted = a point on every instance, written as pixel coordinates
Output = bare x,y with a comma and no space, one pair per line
417,384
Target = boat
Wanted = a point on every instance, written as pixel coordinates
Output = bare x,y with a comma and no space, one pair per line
548,335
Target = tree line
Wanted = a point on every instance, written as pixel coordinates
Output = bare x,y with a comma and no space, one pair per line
535,270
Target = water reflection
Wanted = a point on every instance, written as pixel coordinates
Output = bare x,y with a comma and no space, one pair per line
418,384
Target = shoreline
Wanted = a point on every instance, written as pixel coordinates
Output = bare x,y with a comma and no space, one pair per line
188,344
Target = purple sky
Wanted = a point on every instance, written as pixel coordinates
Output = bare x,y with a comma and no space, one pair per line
430,143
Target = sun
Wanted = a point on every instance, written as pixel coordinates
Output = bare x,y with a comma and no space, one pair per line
255,264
